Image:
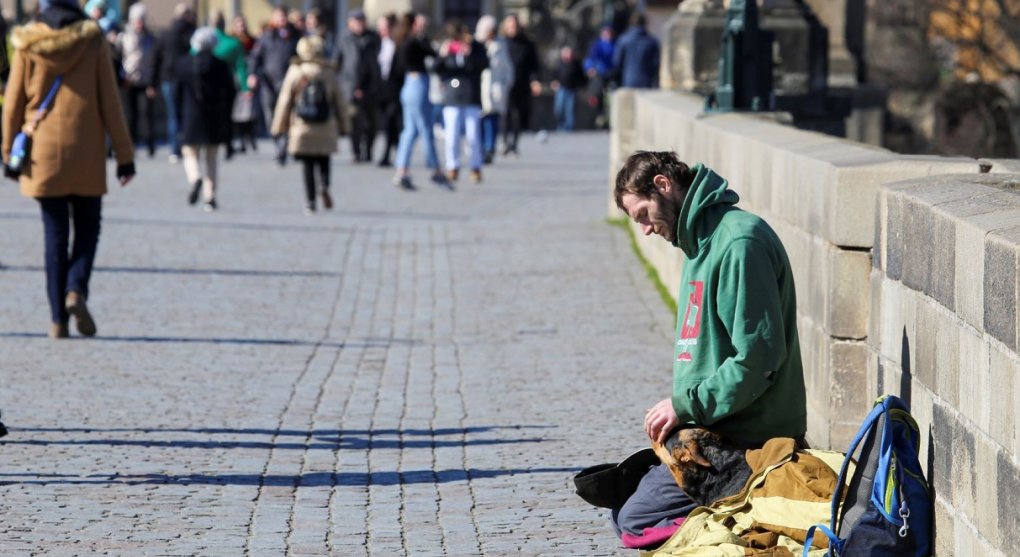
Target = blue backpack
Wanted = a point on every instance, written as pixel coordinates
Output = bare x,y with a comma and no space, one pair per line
887,508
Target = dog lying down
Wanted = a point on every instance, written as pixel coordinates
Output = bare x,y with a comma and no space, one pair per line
704,465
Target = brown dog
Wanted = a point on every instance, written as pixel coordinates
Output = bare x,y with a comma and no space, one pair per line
704,465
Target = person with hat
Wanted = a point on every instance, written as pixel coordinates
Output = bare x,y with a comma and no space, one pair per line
737,368
309,112
62,56
360,79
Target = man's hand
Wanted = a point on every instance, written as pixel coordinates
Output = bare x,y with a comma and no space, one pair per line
253,81
536,88
150,92
660,420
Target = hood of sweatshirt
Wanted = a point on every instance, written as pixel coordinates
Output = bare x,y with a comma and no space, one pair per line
707,190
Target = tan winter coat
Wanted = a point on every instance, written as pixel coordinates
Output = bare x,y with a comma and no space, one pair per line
306,138
68,154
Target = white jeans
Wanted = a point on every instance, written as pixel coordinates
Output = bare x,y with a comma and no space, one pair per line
469,120
193,169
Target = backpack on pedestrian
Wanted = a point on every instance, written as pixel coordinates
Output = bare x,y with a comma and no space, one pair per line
312,104
887,506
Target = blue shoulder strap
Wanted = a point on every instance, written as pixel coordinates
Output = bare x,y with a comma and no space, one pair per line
869,422
810,538
46,103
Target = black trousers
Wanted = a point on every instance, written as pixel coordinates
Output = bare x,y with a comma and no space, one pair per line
518,117
363,128
66,272
311,163
137,105
392,125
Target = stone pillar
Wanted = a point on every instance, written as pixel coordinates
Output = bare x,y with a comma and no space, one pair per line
836,16
690,46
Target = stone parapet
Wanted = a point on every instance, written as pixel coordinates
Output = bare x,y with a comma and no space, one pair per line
908,282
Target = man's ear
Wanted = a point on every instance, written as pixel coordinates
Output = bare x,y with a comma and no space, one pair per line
663,184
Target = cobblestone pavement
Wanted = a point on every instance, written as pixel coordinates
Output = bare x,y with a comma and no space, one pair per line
410,374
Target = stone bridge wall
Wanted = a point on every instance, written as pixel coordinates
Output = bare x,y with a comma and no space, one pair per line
907,283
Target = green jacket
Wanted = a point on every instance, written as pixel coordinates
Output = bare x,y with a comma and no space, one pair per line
736,365
230,51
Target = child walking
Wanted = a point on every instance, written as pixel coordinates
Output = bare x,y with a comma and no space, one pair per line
309,110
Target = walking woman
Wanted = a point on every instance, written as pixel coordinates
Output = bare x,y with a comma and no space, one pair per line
309,111
205,93
63,56
414,101
461,63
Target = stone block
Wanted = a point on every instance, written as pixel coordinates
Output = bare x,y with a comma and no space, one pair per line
848,361
922,345
895,299
986,508
973,380
945,543
922,405
892,260
1000,288
848,289
918,223
621,110
875,313
1003,369
1007,478
948,357
969,283
944,465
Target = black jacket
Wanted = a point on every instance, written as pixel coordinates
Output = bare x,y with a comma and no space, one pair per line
171,45
204,96
358,60
462,76
571,75
271,56
526,67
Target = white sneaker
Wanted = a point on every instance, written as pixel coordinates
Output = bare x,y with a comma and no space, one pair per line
174,159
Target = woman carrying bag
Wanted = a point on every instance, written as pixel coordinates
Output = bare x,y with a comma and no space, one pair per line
63,56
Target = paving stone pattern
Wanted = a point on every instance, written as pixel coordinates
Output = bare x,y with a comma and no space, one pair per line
410,374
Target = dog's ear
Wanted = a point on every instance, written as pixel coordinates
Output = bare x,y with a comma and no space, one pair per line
692,453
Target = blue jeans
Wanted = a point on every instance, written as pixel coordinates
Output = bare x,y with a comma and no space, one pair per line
172,127
564,108
65,272
414,99
490,131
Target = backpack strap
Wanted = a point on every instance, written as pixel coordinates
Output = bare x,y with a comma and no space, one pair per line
866,427
835,544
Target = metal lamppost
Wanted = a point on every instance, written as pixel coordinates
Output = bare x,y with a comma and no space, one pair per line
745,62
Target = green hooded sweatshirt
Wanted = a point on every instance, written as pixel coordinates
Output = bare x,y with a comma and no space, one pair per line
736,365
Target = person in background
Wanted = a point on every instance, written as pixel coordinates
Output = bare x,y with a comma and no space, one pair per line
391,73
569,78
243,113
415,104
109,14
66,172
171,45
598,65
230,51
137,47
268,63
497,80
309,111
636,57
358,60
205,93
315,26
525,86
297,21
460,65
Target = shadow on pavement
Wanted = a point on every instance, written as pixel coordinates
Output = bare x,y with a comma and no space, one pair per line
156,271
310,479
368,343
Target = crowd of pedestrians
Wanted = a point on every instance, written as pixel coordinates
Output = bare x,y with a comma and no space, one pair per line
83,88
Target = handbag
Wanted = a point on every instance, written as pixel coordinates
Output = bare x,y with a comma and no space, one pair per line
243,110
21,147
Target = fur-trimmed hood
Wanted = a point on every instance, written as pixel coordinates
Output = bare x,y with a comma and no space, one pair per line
59,48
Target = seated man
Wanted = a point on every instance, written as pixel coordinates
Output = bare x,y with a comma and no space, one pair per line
736,362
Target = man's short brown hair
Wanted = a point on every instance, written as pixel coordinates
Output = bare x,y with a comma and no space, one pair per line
637,173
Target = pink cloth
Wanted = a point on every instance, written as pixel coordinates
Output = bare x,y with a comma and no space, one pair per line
651,537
